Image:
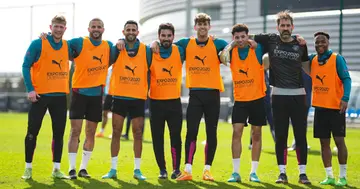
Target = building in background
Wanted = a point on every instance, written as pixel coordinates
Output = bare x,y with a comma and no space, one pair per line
324,15
309,16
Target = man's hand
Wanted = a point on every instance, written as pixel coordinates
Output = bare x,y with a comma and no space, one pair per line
32,96
300,39
224,57
266,61
252,43
43,35
155,47
225,53
120,44
343,106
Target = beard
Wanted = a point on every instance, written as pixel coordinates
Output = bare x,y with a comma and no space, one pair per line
130,38
96,35
285,34
165,44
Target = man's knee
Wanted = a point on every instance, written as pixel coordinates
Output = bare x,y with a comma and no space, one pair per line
75,132
116,132
30,137
137,133
325,143
238,130
339,141
256,133
138,124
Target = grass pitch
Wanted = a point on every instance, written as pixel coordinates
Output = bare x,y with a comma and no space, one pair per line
13,130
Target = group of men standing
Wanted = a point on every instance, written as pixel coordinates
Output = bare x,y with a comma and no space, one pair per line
46,74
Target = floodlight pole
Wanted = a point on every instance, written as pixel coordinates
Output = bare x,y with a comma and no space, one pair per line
234,11
341,25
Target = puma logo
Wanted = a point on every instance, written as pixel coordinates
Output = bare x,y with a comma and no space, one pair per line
168,71
244,72
98,59
132,70
57,63
201,59
321,79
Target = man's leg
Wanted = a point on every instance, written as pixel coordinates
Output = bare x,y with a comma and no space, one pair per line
211,114
322,131
269,115
236,149
299,119
157,125
117,125
35,117
174,122
73,145
194,112
89,143
326,158
339,133
281,123
137,114
93,116
326,152
293,145
257,118
137,127
342,159
58,113
77,114
240,114
256,136
119,111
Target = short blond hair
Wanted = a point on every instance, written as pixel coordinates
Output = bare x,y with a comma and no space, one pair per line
58,19
202,17
284,15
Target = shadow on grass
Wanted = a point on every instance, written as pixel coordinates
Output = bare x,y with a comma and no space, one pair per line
205,184
348,186
139,184
92,183
167,183
262,185
58,183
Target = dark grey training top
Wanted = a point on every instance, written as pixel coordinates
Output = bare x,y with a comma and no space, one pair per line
285,60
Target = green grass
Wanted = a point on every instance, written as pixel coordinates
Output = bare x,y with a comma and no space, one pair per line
13,129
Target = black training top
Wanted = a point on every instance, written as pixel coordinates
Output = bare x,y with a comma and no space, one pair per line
285,60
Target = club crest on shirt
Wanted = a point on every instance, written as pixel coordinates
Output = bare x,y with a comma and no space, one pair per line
295,47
